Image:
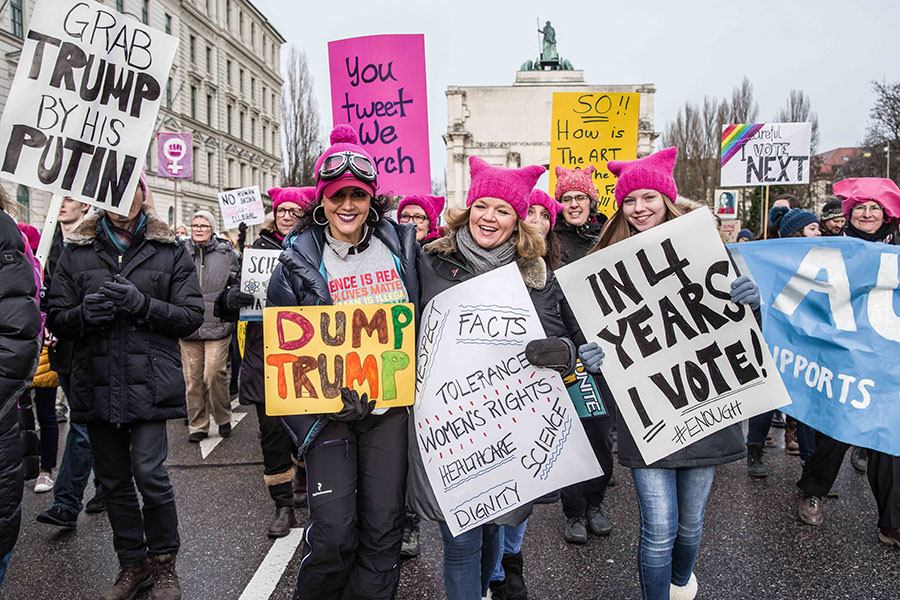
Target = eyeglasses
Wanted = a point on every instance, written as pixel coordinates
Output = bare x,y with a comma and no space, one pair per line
294,212
579,198
875,209
339,163
200,227
414,218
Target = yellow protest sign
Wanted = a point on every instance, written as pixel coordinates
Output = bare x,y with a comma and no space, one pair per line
311,352
592,129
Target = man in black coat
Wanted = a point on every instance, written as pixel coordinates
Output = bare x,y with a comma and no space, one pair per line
127,290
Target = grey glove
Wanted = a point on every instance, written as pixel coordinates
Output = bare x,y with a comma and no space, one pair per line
745,291
591,356
356,408
97,309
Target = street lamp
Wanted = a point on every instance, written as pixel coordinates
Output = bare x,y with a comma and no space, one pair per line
887,169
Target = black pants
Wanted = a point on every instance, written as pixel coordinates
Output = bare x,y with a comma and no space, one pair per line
883,472
45,406
276,450
823,466
577,497
129,454
356,484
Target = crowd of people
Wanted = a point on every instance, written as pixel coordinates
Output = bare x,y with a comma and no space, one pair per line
141,327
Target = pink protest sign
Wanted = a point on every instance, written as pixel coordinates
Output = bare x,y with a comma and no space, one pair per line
378,88
175,155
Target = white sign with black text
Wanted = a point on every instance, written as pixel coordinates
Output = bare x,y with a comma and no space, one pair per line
256,271
241,206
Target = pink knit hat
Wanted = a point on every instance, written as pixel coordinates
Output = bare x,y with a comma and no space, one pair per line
432,205
31,234
343,139
546,200
652,172
575,180
305,197
511,185
862,189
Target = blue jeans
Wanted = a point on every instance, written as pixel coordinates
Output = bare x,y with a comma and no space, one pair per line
806,439
75,466
4,563
672,503
758,428
469,560
510,543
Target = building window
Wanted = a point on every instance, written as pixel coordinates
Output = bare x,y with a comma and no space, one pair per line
209,60
243,181
263,97
120,5
209,109
228,124
15,17
228,71
228,13
274,141
230,172
253,88
241,124
241,81
168,23
169,92
207,7
252,130
265,136
193,102
209,168
22,197
253,35
274,107
255,176
145,12
193,49
241,23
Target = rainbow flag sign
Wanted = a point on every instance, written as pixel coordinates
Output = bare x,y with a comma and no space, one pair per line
765,154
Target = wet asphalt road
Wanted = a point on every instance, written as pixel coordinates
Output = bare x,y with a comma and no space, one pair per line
753,546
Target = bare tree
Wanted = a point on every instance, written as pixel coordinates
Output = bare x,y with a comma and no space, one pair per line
696,132
798,110
438,185
743,108
301,125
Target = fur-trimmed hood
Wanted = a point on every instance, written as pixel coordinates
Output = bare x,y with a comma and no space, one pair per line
533,270
156,229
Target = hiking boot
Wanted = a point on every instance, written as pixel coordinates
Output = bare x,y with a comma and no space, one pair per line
791,446
95,505
197,437
597,523
410,547
576,531
59,517
515,583
778,420
889,536
130,580
859,458
165,578
497,590
810,510
225,430
282,523
755,466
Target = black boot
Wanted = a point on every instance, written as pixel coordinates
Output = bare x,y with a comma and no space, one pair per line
282,523
299,487
755,465
515,585
498,590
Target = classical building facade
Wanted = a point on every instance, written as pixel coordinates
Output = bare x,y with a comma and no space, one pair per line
510,125
224,87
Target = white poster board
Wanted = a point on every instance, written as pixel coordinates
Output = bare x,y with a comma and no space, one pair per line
83,104
682,360
256,271
493,431
765,154
243,205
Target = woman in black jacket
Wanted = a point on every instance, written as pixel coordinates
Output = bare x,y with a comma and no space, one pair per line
356,466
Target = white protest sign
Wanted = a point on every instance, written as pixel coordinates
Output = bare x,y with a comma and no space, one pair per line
765,154
83,104
682,360
256,271
242,206
493,431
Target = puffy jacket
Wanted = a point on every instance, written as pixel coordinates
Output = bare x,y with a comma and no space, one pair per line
299,280
20,343
442,266
129,369
576,241
218,266
61,352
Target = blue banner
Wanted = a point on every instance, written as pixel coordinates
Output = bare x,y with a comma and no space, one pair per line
830,318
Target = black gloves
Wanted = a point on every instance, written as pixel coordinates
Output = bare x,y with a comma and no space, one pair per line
355,408
125,296
97,309
552,353
235,299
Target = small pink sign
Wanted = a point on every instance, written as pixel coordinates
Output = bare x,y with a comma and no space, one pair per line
378,88
175,155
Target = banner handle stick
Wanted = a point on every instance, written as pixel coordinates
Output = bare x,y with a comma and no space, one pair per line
766,216
49,228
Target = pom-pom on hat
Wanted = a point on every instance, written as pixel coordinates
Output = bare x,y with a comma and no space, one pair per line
795,220
432,205
862,189
575,180
512,185
653,172
544,199
31,234
343,139
304,197
832,210
776,213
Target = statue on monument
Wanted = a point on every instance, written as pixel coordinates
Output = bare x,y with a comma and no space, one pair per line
549,59
548,46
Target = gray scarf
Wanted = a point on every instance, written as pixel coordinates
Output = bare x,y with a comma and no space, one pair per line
482,260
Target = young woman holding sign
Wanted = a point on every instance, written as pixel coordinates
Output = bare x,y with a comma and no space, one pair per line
356,465
671,492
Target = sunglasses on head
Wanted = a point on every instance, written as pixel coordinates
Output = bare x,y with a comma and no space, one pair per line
337,164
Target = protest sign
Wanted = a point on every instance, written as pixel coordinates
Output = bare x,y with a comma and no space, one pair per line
682,360
83,104
830,317
584,393
256,270
726,204
730,230
493,431
175,155
378,88
311,352
242,206
765,154
593,129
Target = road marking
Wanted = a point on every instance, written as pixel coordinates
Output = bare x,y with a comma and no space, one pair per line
214,439
269,573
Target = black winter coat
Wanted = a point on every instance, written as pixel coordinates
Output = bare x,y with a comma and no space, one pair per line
20,344
60,353
576,241
130,369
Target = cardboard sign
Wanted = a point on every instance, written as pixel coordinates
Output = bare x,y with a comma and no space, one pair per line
765,154
256,271
726,204
83,104
242,206
593,129
175,155
378,88
493,431
730,230
682,360
311,352
830,316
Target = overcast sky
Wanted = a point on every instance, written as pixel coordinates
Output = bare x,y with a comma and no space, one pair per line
831,49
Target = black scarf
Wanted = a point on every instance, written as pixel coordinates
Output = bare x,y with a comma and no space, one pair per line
884,234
